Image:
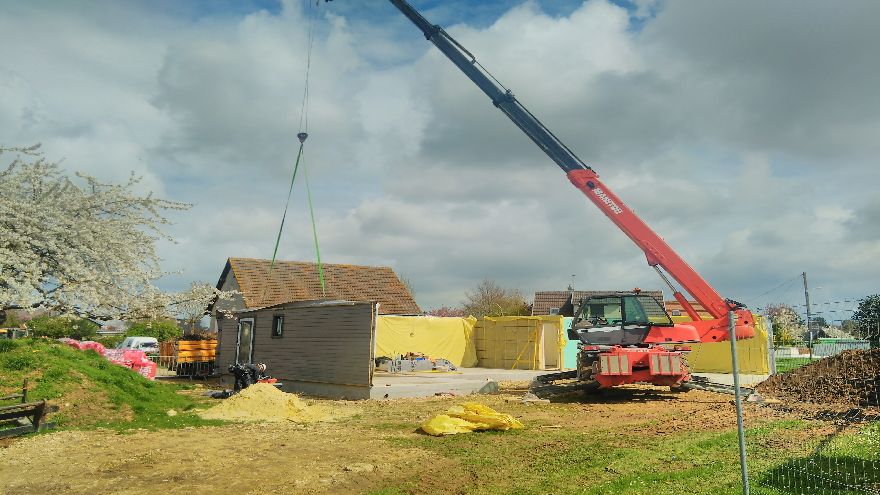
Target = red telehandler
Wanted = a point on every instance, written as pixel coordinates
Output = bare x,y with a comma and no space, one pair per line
624,337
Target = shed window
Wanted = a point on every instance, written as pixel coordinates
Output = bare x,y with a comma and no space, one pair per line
277,326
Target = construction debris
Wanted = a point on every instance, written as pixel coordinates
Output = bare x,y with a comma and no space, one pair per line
264,402
413,362
530,398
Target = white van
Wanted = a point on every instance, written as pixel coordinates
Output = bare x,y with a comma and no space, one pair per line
147,344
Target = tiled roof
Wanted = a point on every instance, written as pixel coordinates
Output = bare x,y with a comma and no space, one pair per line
549,299
298,281
673,306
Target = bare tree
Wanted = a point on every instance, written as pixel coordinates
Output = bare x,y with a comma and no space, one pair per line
409,285
490,299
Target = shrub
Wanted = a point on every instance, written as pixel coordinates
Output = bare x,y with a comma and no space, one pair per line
163,330
7,345
62,326
17,362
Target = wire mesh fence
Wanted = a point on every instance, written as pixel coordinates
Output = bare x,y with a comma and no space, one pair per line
813,425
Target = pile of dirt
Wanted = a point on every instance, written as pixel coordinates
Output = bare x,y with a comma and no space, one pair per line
849,378
264,402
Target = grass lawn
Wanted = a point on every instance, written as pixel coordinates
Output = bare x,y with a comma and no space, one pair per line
90,390
784,365
626,462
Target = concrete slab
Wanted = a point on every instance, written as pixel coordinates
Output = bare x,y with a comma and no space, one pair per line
465,381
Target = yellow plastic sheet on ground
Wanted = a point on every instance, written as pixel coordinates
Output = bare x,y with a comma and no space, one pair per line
469,417
448,338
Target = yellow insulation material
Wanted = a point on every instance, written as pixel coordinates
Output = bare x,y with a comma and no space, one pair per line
469,417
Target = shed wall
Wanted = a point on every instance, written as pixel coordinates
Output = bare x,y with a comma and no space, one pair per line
324,349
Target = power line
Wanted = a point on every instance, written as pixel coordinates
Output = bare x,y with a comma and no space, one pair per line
790,281
850,301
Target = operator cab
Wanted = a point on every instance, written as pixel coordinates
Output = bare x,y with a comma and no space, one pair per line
617,319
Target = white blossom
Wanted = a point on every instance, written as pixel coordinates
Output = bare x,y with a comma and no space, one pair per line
82,247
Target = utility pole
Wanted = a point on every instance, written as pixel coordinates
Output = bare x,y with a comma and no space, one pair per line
809,326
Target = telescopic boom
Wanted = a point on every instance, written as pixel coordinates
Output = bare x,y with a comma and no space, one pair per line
658,253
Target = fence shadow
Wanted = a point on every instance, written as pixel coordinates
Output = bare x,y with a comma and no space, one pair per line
829,475
618,395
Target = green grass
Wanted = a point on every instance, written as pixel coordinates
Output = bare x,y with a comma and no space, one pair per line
784,365
534,461
840,464
56,371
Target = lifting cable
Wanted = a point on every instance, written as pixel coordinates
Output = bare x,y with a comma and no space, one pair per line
302,135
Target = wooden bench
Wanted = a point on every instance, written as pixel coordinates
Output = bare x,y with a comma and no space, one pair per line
26,417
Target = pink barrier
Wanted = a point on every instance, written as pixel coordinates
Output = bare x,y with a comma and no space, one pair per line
147,369
95,346
130,358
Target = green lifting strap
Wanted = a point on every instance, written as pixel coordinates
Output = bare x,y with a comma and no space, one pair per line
284,216
299,158
315,233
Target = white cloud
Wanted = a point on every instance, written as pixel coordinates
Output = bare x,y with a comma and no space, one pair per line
741,131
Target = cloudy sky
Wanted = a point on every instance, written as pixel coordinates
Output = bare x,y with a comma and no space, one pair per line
746,133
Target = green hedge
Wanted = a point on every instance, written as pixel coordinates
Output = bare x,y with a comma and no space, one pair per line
62,326
163,330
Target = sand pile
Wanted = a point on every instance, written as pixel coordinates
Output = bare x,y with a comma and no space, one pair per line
849,378
264,402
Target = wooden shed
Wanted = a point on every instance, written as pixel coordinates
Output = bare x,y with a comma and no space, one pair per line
322,348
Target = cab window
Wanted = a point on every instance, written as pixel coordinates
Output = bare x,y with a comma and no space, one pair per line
644,310
601,311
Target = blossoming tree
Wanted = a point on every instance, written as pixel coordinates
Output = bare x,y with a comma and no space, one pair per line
83,247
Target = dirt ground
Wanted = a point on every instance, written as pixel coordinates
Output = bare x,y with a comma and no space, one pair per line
368,446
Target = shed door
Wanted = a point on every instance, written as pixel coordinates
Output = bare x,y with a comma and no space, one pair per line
244,347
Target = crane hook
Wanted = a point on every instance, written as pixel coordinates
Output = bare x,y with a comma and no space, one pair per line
302,136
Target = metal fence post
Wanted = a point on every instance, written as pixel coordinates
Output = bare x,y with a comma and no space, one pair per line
731,317
770,345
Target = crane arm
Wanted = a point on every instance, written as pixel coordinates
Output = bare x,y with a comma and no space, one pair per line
500,96
658,253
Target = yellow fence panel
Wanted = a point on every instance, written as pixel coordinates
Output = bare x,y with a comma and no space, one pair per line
714,357
437,337
519,342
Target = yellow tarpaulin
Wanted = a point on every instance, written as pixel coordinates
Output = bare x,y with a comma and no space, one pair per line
448,338
714,357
